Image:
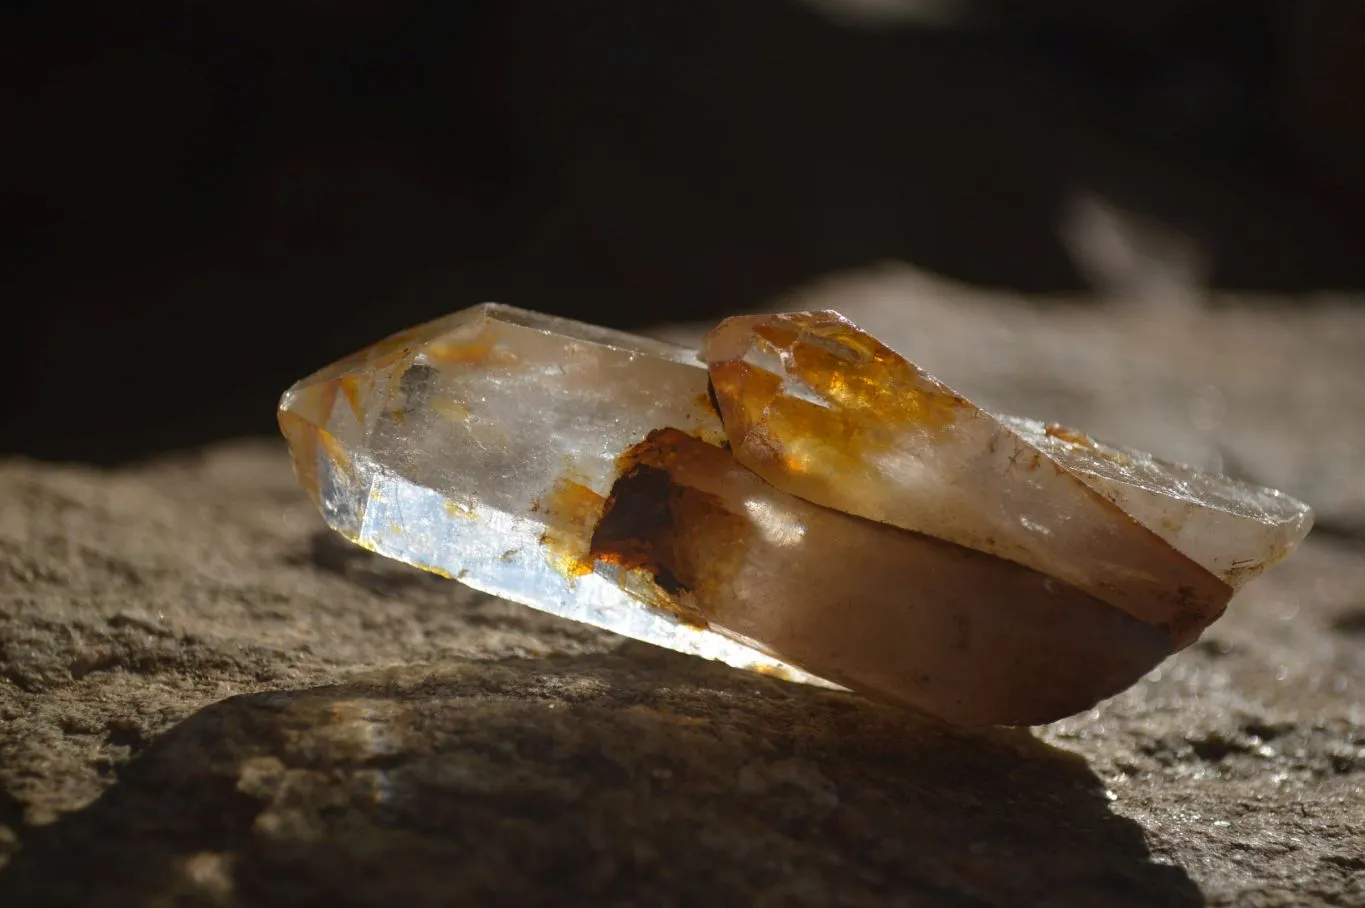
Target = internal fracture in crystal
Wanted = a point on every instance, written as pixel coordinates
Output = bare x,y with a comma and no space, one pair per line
812,506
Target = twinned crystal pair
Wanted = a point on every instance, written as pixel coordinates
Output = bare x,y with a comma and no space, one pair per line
798,499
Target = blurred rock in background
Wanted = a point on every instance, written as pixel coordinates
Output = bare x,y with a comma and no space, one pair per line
202,202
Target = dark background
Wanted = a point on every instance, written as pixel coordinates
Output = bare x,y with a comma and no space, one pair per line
204,201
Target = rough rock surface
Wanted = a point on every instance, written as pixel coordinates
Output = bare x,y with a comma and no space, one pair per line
206,698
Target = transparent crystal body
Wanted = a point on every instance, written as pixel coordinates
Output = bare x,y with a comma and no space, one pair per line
439,446
826,412
1234,529
585,472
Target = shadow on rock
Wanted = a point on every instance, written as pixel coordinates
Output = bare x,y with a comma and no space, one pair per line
631,778
333,554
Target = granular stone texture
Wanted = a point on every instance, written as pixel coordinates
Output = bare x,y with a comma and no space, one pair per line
208,698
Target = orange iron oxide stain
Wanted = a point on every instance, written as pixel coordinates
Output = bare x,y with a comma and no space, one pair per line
570,512
1071,436
672,543
781,672
458,511
482,351
871,392
354,388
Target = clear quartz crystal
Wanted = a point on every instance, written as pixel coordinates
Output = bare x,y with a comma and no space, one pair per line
1234,529
586,472
439,447
826,412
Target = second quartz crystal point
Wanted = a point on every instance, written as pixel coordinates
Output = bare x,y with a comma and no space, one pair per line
586,472
827,412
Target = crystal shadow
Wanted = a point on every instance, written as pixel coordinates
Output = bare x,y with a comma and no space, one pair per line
640,777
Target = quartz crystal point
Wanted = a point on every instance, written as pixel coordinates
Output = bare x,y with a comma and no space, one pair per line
482,446
826,412
586,472
1234,529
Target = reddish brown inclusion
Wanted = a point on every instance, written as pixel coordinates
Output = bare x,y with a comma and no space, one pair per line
656,520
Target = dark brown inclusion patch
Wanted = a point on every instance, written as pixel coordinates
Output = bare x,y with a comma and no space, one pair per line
667,517
639,525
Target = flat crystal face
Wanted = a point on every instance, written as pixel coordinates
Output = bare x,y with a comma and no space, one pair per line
1234,529
850,521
